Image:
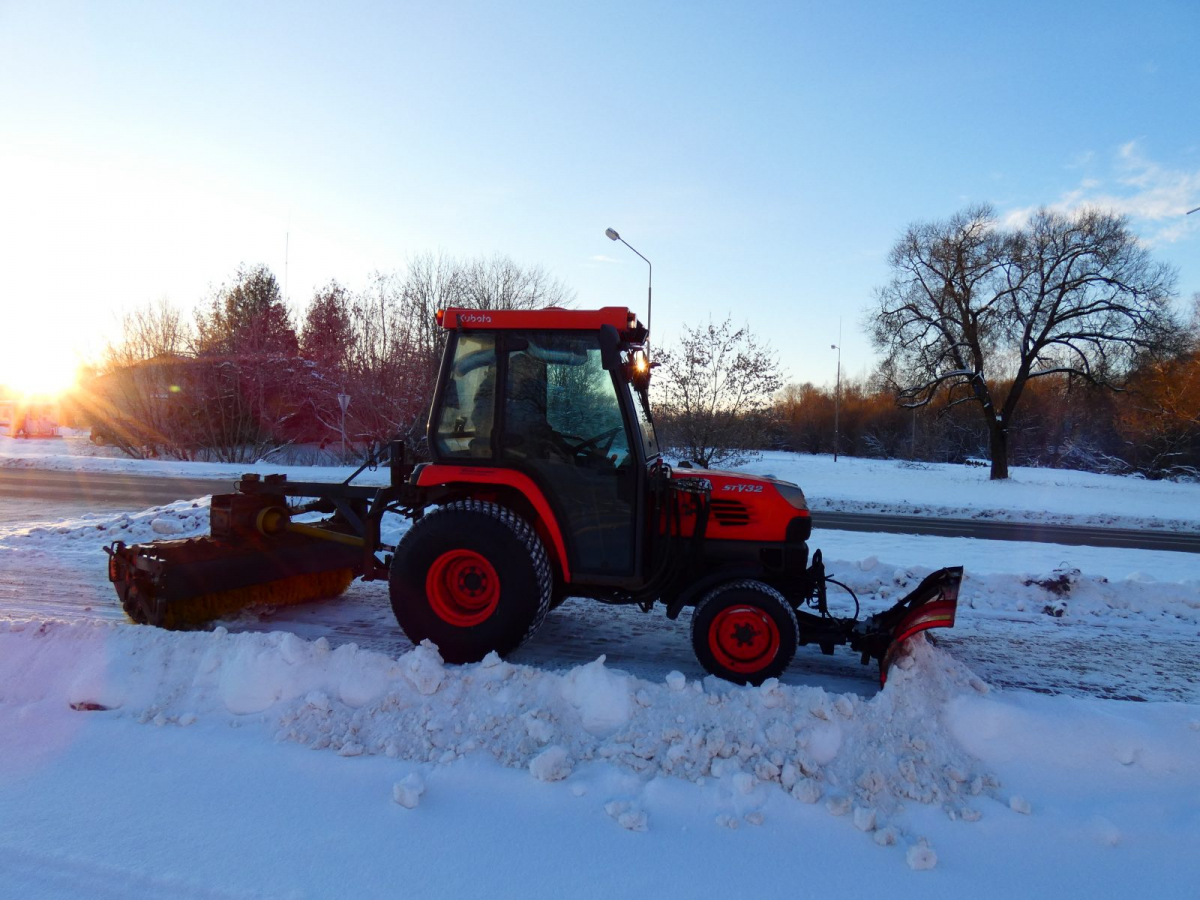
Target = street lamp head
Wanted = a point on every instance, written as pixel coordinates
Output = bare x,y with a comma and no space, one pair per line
611,234
833,346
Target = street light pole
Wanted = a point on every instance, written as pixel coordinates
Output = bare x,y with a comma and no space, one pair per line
837,391
611,234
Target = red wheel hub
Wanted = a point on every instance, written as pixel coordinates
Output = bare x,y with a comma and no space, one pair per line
462,587
744,639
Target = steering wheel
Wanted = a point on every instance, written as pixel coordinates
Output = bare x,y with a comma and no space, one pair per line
581,446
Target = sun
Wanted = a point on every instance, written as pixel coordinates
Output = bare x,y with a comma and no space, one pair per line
36,371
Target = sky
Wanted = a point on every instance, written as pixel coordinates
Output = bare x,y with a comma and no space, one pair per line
763,156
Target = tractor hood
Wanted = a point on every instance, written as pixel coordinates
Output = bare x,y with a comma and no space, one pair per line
745,487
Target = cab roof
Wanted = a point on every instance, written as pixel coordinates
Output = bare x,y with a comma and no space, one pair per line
555,318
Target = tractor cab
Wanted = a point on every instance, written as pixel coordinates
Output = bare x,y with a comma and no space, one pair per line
557,397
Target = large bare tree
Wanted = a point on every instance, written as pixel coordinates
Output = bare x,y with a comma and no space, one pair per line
972,306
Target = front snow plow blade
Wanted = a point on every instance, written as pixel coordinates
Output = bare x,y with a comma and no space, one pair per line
254,555
932,604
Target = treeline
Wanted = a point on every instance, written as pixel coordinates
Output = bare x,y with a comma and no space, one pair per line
978,310
245,376
1151,427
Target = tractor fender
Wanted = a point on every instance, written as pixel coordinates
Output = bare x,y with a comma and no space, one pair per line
691,594
469,480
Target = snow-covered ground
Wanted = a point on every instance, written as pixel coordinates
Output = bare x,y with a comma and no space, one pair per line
139,763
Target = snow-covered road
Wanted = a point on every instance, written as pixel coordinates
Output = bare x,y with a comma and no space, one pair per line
1111,637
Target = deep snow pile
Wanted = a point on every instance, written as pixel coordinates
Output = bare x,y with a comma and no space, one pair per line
863,759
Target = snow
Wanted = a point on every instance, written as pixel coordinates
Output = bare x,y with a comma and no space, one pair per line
312,752
408,791
1052,496
924,772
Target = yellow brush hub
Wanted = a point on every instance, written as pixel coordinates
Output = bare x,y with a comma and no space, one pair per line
204,608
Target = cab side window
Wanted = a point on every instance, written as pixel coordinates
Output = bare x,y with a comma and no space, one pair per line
464,429
561,405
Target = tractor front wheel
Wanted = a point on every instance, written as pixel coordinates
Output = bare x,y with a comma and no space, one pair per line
744,632
471,577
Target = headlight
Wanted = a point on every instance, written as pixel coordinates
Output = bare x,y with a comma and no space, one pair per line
792,494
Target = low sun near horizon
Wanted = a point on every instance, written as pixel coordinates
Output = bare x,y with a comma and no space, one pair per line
32,371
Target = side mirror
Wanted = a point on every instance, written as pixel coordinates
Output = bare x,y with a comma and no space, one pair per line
610,348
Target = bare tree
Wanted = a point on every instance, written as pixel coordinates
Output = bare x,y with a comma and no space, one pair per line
154,330
134,401
396,343
500,283
391,371
715,394
971,306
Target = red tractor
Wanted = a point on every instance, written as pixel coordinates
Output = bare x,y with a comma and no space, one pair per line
546,482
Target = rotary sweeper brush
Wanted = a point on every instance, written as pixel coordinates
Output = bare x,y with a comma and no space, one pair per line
546,482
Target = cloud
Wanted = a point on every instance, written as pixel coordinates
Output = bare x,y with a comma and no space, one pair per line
1153,195
603,259
1082,160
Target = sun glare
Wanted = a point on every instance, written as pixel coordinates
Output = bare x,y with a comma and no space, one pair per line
35,372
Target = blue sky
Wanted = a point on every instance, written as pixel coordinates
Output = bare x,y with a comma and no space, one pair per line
763,156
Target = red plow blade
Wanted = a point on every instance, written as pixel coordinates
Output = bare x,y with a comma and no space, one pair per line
932,604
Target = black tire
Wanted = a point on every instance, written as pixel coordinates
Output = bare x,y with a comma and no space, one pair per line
744,632
471,577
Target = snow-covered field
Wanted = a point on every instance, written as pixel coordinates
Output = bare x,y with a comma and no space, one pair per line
312,752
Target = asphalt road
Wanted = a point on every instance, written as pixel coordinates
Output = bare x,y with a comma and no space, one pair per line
33,488
102,490
1073,535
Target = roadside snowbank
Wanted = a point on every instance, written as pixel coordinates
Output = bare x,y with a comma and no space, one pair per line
862,759
913,767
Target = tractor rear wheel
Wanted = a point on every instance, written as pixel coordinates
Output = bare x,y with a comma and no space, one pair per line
471,577
744,632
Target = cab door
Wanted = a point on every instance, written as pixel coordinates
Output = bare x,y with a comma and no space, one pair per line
562,423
